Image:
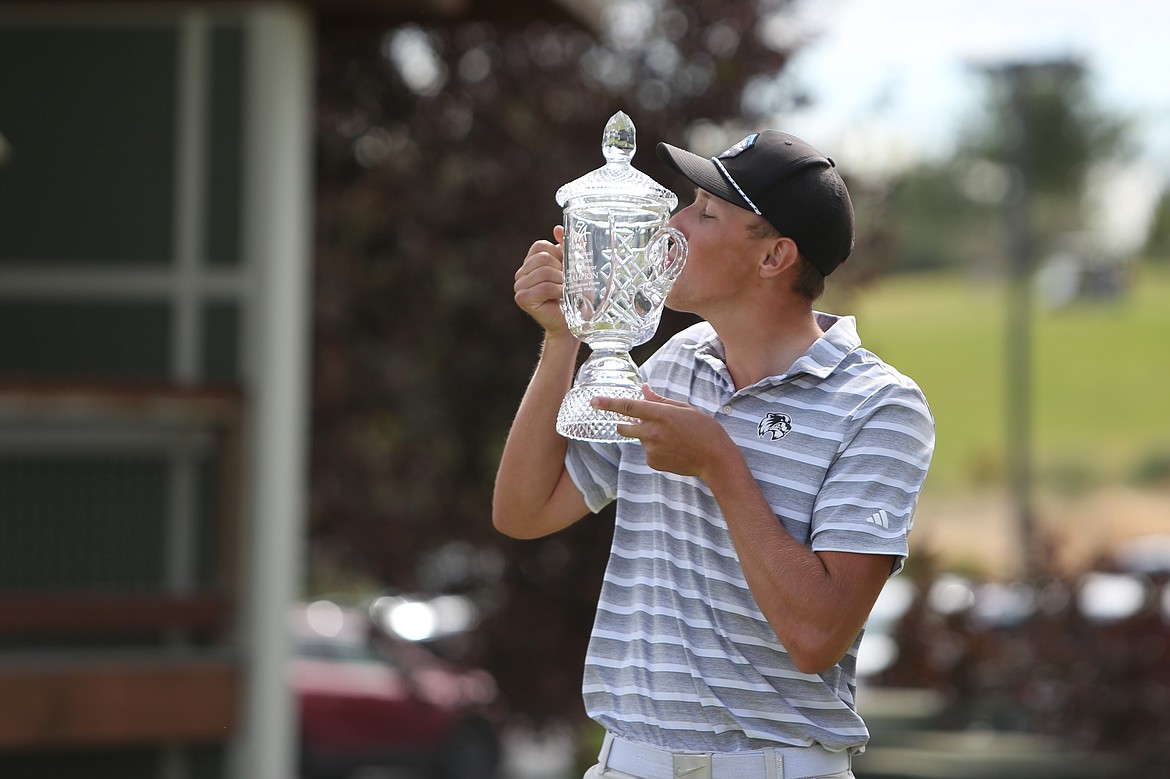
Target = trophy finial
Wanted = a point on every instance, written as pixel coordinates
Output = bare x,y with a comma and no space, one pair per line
619,141
617,178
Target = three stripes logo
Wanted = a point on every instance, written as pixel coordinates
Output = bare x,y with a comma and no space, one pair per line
880,518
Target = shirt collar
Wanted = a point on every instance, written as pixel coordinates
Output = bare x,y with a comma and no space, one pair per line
822,358
839,339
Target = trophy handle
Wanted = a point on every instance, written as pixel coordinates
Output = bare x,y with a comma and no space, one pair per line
667,255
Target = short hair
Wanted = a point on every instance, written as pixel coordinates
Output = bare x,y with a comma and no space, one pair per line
810,282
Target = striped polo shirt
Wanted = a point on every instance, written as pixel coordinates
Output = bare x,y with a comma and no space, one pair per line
681,656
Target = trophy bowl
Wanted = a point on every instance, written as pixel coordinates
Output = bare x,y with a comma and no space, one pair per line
621,259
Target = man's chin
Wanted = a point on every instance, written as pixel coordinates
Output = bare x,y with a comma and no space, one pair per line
674,304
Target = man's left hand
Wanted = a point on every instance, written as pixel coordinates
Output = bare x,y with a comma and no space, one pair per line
678,437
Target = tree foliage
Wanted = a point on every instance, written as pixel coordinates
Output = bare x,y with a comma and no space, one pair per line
1069,131
939,222
439,151
1037,122
1043,123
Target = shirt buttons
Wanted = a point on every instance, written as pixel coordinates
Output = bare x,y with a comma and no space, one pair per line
726,409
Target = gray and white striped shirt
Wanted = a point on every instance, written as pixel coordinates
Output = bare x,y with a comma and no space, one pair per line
681,656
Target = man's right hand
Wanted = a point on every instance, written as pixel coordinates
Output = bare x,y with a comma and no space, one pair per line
540,283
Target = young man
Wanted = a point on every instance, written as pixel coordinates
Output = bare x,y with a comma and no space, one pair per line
764,500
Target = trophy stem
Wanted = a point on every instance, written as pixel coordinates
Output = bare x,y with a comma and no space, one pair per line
608,372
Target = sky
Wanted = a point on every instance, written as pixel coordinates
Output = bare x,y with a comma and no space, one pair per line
894,80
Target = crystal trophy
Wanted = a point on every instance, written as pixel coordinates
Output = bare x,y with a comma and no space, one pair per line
621,259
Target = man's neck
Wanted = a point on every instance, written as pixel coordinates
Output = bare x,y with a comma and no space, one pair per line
755,350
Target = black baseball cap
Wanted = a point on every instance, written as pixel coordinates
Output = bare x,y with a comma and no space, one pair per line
786,181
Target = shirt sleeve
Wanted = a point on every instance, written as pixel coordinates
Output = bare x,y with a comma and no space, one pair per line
867,501
594,469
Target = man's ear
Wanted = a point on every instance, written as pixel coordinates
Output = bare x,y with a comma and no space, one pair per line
782,255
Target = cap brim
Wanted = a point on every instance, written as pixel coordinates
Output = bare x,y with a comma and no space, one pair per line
701,172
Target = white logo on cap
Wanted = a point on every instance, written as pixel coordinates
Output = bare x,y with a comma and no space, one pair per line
740,147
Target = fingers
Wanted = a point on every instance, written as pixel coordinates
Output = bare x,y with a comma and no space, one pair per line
649,393
638,409
544,253
630,430
653,397
628,407
539,282
541,275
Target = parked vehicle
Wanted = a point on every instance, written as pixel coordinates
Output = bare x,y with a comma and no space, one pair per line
368,698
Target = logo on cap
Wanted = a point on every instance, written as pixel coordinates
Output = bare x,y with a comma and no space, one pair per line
740,147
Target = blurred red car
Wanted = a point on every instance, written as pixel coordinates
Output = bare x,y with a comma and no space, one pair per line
367,698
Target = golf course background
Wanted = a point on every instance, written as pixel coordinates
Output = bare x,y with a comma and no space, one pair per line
1100,396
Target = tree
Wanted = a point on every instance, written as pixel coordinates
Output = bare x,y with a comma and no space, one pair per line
944,216
439,151
950,213
1048,111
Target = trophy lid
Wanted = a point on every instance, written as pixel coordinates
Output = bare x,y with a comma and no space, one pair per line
617,178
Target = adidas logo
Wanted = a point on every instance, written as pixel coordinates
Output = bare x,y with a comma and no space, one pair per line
881,519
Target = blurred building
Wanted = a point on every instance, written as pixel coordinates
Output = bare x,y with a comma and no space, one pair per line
155,253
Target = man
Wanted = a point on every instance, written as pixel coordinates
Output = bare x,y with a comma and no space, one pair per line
763,501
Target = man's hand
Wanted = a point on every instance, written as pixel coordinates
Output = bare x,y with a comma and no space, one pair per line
540,283
678,437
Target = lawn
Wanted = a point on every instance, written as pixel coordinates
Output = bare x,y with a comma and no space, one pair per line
1100,394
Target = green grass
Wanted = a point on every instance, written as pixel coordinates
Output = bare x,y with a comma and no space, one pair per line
1100,376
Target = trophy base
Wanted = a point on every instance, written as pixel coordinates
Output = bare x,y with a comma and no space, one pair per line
579,420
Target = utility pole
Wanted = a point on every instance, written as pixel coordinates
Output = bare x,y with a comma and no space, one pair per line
1018,342
1020,79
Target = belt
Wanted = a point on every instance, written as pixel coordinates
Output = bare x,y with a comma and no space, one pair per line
648,762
